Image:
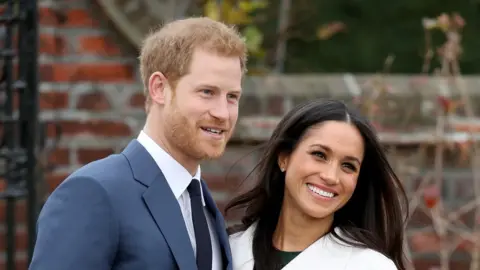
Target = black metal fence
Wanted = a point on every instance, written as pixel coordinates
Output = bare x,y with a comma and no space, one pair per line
18,116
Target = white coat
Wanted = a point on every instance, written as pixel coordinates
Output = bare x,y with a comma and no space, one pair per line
325,253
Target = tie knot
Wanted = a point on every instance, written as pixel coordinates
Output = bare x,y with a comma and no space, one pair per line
194,188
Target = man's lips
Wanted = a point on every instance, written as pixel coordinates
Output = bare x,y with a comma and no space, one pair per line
213,130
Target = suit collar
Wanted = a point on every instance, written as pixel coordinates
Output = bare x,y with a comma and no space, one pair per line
143,166
162,204
219,225
177,176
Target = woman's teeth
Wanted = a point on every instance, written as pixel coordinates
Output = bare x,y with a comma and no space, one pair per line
320,191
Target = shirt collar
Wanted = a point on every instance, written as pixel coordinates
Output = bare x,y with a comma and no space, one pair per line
178,178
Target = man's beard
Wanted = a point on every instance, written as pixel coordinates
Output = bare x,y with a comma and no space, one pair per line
184,136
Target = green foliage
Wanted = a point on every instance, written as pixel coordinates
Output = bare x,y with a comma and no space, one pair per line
240,13
373,30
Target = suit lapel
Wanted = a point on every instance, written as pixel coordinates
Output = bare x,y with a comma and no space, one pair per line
162,204
219,226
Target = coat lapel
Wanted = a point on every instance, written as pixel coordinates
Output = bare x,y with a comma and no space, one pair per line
327,252
162,204
219,226
241,245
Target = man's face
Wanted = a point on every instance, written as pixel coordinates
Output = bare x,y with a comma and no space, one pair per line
201,112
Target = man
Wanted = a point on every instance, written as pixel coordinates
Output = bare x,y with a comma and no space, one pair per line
147,208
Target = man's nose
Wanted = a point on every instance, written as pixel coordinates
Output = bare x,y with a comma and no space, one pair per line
220,110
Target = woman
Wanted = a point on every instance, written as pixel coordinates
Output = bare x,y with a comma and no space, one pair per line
326,197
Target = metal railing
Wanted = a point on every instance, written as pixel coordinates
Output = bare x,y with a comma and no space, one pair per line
18,117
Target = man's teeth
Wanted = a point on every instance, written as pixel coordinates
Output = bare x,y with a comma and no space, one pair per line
216,131
320,191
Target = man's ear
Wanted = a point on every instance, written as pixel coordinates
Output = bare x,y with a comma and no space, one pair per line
157,85
283,161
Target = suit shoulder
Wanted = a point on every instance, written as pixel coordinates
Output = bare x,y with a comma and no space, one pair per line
111,166
370,259
110,173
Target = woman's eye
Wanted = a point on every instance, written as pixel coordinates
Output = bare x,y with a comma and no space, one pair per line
319,154
350,167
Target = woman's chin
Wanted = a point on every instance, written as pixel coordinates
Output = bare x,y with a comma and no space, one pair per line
318,212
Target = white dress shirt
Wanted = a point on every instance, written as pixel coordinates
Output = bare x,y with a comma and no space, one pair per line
178,178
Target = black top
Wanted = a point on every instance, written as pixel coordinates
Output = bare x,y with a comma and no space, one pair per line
287,256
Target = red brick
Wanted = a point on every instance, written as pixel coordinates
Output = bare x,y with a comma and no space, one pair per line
69,18
435,264
21,240
20,211
93,127
222,182
97,72
49,17
16,100
424,242
418,218
429,242
93,102
52,44
60,156
53,100
54,179
85,156
3,184
275,105
465,127
79,18
137,100
20,264
46,100
99,45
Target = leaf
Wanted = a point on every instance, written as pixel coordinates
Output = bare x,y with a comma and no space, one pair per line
429,23
237,16
212,10
465,151
431,196
254,38
251,6
326,31
443,22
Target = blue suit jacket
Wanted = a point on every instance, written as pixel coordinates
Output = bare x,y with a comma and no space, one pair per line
118,213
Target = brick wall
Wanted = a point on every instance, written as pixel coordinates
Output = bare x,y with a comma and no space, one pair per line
90,88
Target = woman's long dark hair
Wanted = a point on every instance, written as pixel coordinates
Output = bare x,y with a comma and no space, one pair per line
372,218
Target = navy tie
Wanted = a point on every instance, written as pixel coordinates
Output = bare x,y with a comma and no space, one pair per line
202,234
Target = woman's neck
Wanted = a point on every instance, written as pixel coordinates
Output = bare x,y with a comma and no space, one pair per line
296,231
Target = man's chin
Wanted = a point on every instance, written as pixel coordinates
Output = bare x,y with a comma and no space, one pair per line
213,152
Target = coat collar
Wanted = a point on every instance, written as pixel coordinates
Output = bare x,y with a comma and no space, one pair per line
331,250
161,203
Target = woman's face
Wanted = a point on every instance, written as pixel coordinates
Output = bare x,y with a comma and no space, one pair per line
322,172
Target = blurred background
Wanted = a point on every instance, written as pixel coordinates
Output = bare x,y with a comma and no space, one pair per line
70,93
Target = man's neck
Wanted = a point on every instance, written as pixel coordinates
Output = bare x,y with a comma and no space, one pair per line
156,134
